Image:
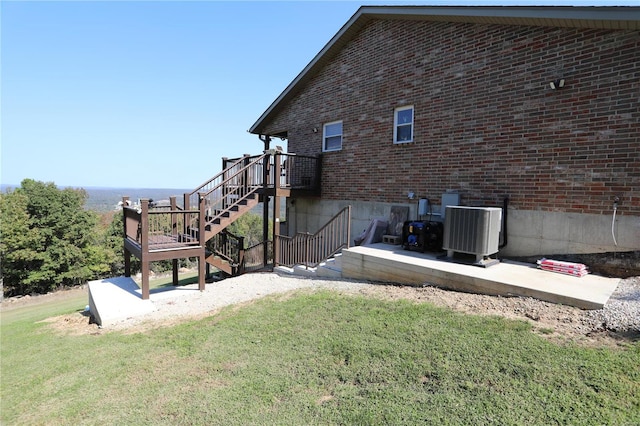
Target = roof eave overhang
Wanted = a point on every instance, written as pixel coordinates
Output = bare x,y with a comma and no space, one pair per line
615,18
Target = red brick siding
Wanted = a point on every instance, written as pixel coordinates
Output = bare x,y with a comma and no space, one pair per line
486,121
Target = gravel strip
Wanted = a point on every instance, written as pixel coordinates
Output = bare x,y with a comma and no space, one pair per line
231,291
620,314
622,311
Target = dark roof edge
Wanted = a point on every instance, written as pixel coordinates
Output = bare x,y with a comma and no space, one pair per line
599,13
618,17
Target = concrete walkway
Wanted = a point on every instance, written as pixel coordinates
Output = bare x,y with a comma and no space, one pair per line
389,263
116,299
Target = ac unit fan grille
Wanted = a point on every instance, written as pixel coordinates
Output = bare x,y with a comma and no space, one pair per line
472,230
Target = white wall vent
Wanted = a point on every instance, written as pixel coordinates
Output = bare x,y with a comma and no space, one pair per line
472,230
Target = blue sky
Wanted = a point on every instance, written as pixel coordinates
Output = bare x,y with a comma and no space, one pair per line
151,94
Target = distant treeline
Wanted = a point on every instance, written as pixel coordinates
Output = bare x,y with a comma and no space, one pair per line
102,200
106,199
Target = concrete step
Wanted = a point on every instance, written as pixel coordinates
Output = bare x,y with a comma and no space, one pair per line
328,272
332,268
297,270
337,258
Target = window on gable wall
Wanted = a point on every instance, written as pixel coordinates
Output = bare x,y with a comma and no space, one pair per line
403,124
332,136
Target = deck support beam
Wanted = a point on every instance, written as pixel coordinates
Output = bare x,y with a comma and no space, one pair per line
265,200
277,194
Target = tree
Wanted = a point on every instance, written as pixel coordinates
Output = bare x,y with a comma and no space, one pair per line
48,239
250,227
21,245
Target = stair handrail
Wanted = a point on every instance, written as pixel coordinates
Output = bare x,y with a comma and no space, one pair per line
203,187
312,249
234,189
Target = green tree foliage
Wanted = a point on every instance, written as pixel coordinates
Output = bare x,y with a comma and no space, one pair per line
21,244
48,239
249,226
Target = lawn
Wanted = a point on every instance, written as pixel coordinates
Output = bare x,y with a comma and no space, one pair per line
314,358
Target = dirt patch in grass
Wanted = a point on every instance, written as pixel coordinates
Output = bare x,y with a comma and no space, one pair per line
559,323
75,324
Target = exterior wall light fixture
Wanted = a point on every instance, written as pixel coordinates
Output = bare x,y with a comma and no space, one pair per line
558,84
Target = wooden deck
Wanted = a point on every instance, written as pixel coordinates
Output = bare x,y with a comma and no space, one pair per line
389,263
168,242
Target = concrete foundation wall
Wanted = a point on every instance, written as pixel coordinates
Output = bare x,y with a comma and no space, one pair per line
529,233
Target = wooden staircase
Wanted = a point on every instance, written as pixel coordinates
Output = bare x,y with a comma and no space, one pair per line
198,228
226,197
230,215
221,259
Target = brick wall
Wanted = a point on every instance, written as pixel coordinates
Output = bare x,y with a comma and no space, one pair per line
487,123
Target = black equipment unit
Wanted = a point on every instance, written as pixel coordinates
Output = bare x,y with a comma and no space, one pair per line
422,235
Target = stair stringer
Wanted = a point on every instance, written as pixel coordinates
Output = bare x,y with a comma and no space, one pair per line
219,263
215,227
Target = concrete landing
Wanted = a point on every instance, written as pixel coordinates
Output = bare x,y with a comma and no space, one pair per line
386,263
114,299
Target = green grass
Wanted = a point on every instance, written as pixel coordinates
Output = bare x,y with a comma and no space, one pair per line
315,358
183,279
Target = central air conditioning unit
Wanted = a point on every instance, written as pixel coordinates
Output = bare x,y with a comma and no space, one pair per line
472,230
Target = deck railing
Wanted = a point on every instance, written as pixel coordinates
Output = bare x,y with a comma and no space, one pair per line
229,247
160,228
312,249
300,171
191,199
293,171
254,257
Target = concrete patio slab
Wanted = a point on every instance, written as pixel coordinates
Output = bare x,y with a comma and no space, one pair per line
115,299
388,263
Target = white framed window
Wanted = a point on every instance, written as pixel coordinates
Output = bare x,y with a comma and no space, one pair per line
332,136
403,124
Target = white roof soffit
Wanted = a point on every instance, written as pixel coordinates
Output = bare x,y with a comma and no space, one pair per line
614,18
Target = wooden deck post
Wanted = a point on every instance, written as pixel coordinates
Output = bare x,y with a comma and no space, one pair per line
144,261
265,205
173,205
202,239
276,207
174,267
174,232
225,189
246,179
127,254
186,203
241,250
